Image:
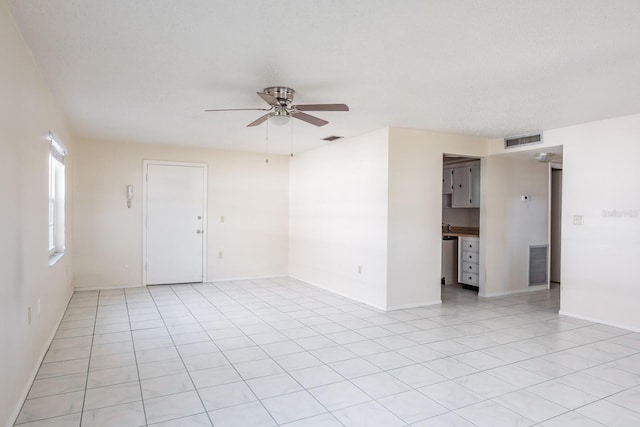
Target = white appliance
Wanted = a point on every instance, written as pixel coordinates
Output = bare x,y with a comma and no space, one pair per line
450,260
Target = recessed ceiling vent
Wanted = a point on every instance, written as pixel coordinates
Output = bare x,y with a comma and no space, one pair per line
332,138
518,141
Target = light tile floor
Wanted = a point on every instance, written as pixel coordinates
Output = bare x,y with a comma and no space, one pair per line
280,352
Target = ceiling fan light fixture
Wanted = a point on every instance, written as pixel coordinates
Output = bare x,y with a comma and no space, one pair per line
279,118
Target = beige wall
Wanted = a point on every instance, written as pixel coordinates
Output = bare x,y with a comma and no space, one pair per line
338,217
251,195
28,112
599,259
415,211
510,225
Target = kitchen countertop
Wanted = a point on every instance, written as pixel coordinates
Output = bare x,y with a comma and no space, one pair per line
461,232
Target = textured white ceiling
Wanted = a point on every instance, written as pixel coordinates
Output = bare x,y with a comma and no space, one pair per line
145,70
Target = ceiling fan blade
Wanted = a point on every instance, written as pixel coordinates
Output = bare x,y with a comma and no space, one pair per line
321,107
238,109
309,119
269,99
258,121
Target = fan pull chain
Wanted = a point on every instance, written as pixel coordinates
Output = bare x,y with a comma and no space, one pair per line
291,139
266,152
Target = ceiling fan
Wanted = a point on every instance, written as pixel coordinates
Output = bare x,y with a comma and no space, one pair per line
280,99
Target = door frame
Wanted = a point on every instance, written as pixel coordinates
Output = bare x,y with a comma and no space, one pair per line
203,166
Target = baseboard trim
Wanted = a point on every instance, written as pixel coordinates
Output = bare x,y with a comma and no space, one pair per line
231,279
105,288
414,305
25,392
515,292
338,293
596,320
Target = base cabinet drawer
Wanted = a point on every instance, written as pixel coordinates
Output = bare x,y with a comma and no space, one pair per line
470,257
469,267
470,244
470,279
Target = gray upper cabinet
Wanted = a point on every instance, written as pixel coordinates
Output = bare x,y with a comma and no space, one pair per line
447,180
466,186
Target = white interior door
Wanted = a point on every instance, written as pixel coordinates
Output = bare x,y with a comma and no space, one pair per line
175,208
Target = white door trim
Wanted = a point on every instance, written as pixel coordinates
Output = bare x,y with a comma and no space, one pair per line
145,164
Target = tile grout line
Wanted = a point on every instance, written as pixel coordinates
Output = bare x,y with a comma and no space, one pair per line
135,358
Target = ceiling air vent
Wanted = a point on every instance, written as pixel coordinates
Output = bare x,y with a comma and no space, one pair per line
331,138
517,141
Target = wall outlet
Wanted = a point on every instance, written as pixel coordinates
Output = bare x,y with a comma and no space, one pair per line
359,269
222,219
578,220
38,305
220,255
28,315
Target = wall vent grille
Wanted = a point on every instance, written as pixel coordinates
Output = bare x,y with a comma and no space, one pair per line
538,272
518,141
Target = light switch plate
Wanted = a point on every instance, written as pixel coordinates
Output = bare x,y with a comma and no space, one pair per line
578,220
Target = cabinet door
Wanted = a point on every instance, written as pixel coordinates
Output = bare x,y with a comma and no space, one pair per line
461,187
474,179
447,180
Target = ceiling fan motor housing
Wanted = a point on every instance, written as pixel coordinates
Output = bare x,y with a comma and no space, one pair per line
284,95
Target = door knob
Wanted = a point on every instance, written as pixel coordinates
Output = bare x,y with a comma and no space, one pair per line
199,231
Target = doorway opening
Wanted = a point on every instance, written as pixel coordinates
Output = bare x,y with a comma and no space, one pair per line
460,225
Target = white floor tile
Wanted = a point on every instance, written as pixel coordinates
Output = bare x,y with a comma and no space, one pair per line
173,406
63,421
247,414
571,419
163,386
129,414
339,395
293,406
451,395
448,419
57,385
380,385
222,396
112,395
370,414
283,335
51,406
200,420
214,376
412,406
257,368
530,405
490,414
417,375
562,394
273,385
316,376
323,420
610,414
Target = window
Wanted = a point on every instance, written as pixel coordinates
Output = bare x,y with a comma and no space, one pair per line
56,198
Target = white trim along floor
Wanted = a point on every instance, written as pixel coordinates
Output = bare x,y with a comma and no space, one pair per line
279,352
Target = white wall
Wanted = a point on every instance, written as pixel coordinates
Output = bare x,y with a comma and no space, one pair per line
338,217
510,225
27,112
251,195
415,211
599,278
